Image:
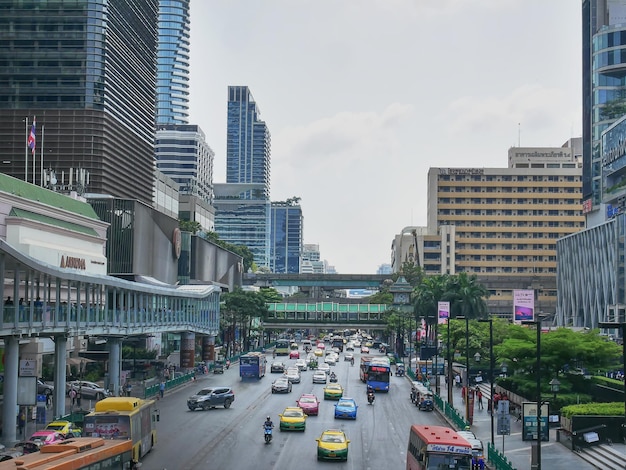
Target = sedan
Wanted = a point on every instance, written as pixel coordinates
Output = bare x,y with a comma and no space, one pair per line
324,366
333,392
294,355
348,356
365,349
281,385
346,408
309,404
67,428
293,375
88,390
301,364
44,388
318,352
277,367
319,377
47,437
292,419
332,445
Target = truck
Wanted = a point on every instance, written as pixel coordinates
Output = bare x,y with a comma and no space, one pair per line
337,343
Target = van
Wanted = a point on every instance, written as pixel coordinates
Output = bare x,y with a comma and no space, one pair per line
306,343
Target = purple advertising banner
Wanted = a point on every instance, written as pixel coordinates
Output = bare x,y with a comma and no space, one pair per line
444,311
523,305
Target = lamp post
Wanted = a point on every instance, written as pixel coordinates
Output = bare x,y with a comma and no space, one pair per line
537,323
467,369
623,327
449,371
437,389
504,368
491,372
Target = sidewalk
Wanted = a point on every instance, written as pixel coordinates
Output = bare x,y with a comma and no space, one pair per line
554,455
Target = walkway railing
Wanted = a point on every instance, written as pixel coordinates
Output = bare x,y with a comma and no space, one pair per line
153,390
321,312
498,460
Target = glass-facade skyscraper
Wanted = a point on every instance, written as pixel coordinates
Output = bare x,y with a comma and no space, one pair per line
173,63
286,237
242,204
87,71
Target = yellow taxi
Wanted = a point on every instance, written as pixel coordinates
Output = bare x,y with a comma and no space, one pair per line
292,419
332,445
333,391
67,428
318,352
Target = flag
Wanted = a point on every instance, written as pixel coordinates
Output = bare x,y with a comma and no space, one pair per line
31,136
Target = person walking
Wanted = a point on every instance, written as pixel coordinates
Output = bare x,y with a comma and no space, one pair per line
162,388
72,395
129,388
21,421
479,396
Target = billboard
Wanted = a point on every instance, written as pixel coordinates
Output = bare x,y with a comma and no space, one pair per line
444,312
523,305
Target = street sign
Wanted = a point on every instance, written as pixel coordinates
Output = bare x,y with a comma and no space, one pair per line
503,407
504,425
28,368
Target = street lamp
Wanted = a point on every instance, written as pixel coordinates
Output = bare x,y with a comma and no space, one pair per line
504,368
449,372
623,327
554,387
491,377
537,323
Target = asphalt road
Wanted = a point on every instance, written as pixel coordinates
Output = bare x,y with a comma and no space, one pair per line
233,438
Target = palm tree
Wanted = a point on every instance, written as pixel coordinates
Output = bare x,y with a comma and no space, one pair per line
467,296
426,297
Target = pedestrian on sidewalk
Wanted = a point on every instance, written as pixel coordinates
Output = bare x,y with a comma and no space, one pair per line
162,388
21,422
479,396
72,396
457,380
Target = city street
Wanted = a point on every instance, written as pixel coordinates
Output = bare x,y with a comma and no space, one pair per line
233,438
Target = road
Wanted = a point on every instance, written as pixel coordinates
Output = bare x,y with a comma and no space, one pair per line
233,438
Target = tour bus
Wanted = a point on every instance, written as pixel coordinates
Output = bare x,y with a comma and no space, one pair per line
435,447
252,365
378,374
125,418
282,347
79,453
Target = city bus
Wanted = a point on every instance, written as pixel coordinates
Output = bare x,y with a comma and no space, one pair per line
435,447
252,365
282,347
124,418
363,368
378,374
80,453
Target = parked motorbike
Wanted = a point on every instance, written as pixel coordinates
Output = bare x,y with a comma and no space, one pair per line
268,434
370,398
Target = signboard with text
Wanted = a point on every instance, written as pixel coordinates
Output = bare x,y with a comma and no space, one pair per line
523,305
529,424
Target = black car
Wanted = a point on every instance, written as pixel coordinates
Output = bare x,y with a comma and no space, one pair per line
210,397
218,368
277,367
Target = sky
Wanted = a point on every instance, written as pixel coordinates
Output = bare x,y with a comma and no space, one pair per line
363,97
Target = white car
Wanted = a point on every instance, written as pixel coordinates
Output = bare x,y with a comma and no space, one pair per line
357,344
348,356
301,364
293,375
331,360
324,366
319,377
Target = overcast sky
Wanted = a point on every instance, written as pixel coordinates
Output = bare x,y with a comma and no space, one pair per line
362,97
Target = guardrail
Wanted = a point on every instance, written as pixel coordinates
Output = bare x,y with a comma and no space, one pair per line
153,390
497,460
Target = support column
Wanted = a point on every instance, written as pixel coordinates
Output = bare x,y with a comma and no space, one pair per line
115,353
60,375
187,350
9,405
208,348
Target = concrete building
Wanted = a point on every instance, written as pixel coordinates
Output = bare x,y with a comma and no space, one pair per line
500,224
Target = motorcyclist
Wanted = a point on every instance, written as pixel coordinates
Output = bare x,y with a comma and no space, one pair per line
351,361
268,423
332,376
370,393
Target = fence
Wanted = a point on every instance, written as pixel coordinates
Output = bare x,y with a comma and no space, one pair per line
153,390
497,460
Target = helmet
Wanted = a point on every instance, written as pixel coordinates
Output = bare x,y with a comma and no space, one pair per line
268,418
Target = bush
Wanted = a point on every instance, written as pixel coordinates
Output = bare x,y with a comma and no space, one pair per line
599,409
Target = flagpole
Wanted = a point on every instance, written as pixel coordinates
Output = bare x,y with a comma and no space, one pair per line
26,147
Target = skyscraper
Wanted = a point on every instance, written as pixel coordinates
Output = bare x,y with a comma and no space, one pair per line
242,204
286,237
87,71
173,63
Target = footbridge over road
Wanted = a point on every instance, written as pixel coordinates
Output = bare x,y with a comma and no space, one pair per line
62,303
318,286
326,315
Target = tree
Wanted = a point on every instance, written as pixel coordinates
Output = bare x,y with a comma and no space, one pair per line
467,296
240,308
426,298
189,226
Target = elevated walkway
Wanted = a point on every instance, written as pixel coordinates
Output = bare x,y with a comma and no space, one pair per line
326,314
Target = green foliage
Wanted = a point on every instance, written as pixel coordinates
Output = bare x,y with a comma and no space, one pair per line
608,382
599,409
271,295
241,250
129,352
381,297
189,226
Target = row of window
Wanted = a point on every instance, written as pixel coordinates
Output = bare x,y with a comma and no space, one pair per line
516,233
519,178
507,189
507,200
511,212
507,270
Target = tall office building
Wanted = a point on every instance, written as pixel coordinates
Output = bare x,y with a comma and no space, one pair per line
248,143
172,105
604,91
242,204
87,71
286,237
183,154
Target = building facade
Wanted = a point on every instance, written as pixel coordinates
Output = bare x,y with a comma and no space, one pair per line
172,106
286,237
183,154
501,224
87,72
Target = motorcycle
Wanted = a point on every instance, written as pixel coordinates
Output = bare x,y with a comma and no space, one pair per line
333,378
370,398
268,433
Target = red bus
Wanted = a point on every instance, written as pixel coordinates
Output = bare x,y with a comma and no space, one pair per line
435,447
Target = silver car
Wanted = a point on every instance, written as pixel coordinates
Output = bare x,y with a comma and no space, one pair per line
319,377
88,390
